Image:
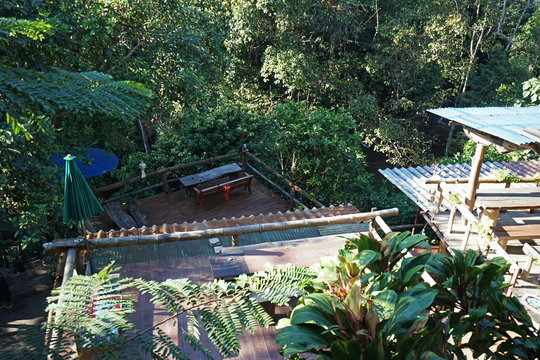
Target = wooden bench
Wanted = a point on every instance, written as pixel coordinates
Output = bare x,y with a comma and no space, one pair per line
516,232
244,181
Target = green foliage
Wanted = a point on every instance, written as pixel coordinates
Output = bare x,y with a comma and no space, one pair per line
470,300
369,303
59,92
194,133
364,304
505,175
531,89
305,142
92,312
35,30
491,154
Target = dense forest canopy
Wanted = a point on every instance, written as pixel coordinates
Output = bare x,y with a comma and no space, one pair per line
325,81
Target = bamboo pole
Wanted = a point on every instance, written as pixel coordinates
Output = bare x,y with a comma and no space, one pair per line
287,181
162,171
62,244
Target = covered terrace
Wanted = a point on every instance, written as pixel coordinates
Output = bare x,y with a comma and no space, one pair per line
470,206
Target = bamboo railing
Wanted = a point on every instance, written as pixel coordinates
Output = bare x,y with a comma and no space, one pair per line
80,243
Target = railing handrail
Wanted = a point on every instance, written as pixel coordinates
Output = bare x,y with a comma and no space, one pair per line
163,171
285,180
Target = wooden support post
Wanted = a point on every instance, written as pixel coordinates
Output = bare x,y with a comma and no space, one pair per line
244,158
416,220
382,225
532,256
292,197
451,218
235,240
475,173
439,200
466,237
373,227
165,183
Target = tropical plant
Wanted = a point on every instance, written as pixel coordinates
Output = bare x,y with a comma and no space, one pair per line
364,304
91,312
371,304
472,312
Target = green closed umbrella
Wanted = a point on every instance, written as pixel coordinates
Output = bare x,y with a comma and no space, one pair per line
80,203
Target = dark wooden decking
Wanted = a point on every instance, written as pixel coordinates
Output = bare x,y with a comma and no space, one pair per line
175,207
262,344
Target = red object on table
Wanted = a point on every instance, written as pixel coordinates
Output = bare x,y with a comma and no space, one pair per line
226,188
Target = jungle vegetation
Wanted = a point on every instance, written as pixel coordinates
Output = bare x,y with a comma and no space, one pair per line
336,83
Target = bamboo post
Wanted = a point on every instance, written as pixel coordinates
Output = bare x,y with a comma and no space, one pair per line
235,240
70,265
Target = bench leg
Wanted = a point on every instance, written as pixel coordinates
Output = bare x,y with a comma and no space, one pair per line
527,268
466,237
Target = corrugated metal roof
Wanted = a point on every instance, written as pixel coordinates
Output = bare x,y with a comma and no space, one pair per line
514,124
411,180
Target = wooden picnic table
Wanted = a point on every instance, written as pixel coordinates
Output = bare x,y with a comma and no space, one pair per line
193,180
492,201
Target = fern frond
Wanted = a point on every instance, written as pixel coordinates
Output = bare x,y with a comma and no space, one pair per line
279,285
33,29
92,310
165,348
90,93
198,345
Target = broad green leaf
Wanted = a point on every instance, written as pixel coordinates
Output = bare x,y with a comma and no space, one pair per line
366,257
312,314
302,337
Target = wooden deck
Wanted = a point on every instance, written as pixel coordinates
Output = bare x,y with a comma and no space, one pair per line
262,344
176,207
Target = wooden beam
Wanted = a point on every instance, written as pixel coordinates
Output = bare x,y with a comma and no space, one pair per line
62,244
475,174
480,181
